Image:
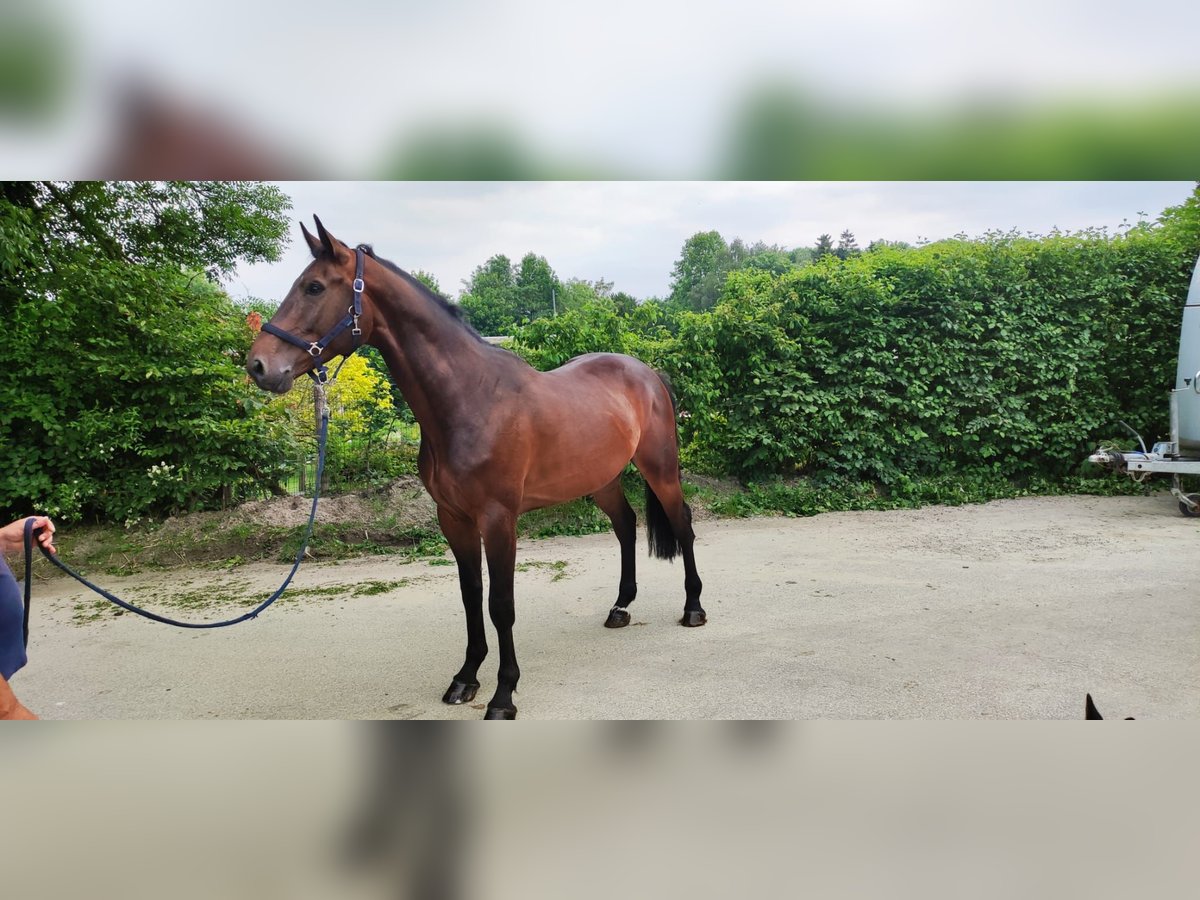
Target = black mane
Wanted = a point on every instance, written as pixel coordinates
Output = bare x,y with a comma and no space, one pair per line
453,309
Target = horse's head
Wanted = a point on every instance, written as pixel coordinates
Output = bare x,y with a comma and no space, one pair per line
317,320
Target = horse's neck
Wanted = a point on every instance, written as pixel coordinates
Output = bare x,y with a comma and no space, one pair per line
433,359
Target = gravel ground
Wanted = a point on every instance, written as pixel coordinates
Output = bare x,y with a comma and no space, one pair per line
1007,610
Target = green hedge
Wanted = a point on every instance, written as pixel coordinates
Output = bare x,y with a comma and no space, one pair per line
1002,357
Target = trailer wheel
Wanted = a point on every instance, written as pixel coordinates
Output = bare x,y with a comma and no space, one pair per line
1192,512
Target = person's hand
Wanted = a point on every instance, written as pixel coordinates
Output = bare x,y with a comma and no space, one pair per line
12,537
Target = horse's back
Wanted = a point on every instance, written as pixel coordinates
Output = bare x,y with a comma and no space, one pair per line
610,368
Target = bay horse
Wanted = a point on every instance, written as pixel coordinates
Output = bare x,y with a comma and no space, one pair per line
498,438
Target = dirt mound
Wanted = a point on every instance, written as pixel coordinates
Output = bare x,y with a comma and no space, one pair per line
404,500
258,529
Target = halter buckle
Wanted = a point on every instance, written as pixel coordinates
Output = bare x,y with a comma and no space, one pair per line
321,376
358,285
315,350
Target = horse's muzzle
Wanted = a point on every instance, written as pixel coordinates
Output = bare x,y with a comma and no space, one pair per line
277,381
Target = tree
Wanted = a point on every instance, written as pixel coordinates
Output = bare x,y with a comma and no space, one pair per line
124,385
625,303
847,246
699,273
359,399
204,225
428,280
499,295
495,276
802,256
738,253
770,260
490,297
881,244
574,293
823,248
577,292
536,288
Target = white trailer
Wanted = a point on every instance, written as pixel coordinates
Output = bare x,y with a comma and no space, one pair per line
1180,455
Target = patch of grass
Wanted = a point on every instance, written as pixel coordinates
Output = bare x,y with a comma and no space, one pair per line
441,562
371,588
357,589
207,597
212,595
342,541
567,519
558,567
87,611
809,497
333,590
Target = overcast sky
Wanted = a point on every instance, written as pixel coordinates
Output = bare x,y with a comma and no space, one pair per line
631,233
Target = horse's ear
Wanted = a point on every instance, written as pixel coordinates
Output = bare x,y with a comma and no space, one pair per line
1089,709
329,243
314,245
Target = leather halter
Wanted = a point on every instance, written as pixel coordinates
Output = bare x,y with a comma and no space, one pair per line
316,349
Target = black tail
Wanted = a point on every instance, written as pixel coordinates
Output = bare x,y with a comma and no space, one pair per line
659,532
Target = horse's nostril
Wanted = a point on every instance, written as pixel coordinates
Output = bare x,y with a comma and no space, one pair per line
257,367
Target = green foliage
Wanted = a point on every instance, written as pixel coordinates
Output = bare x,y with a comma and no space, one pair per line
809,497
598,326
499,295
362,419
536,287
429,280
847,245
340,540
700,271
1003,356
962,370
774,261
124,393
951,370
489,300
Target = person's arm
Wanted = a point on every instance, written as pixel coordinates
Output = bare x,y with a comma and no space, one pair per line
12,542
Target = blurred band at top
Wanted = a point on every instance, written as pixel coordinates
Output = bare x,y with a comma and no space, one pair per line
536,90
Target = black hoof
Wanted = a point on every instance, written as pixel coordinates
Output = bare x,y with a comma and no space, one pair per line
617,618
460,692
501,712
693,618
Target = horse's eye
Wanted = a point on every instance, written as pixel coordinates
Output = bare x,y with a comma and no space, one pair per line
314,287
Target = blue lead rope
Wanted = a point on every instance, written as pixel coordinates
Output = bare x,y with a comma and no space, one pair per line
322,432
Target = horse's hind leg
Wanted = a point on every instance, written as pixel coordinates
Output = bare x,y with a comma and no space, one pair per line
612,500
463,538
661,471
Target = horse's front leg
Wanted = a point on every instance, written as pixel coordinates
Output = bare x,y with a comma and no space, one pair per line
500,544
463,537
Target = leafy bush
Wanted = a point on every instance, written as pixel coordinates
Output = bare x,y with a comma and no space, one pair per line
1007,355
124,393
986,361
